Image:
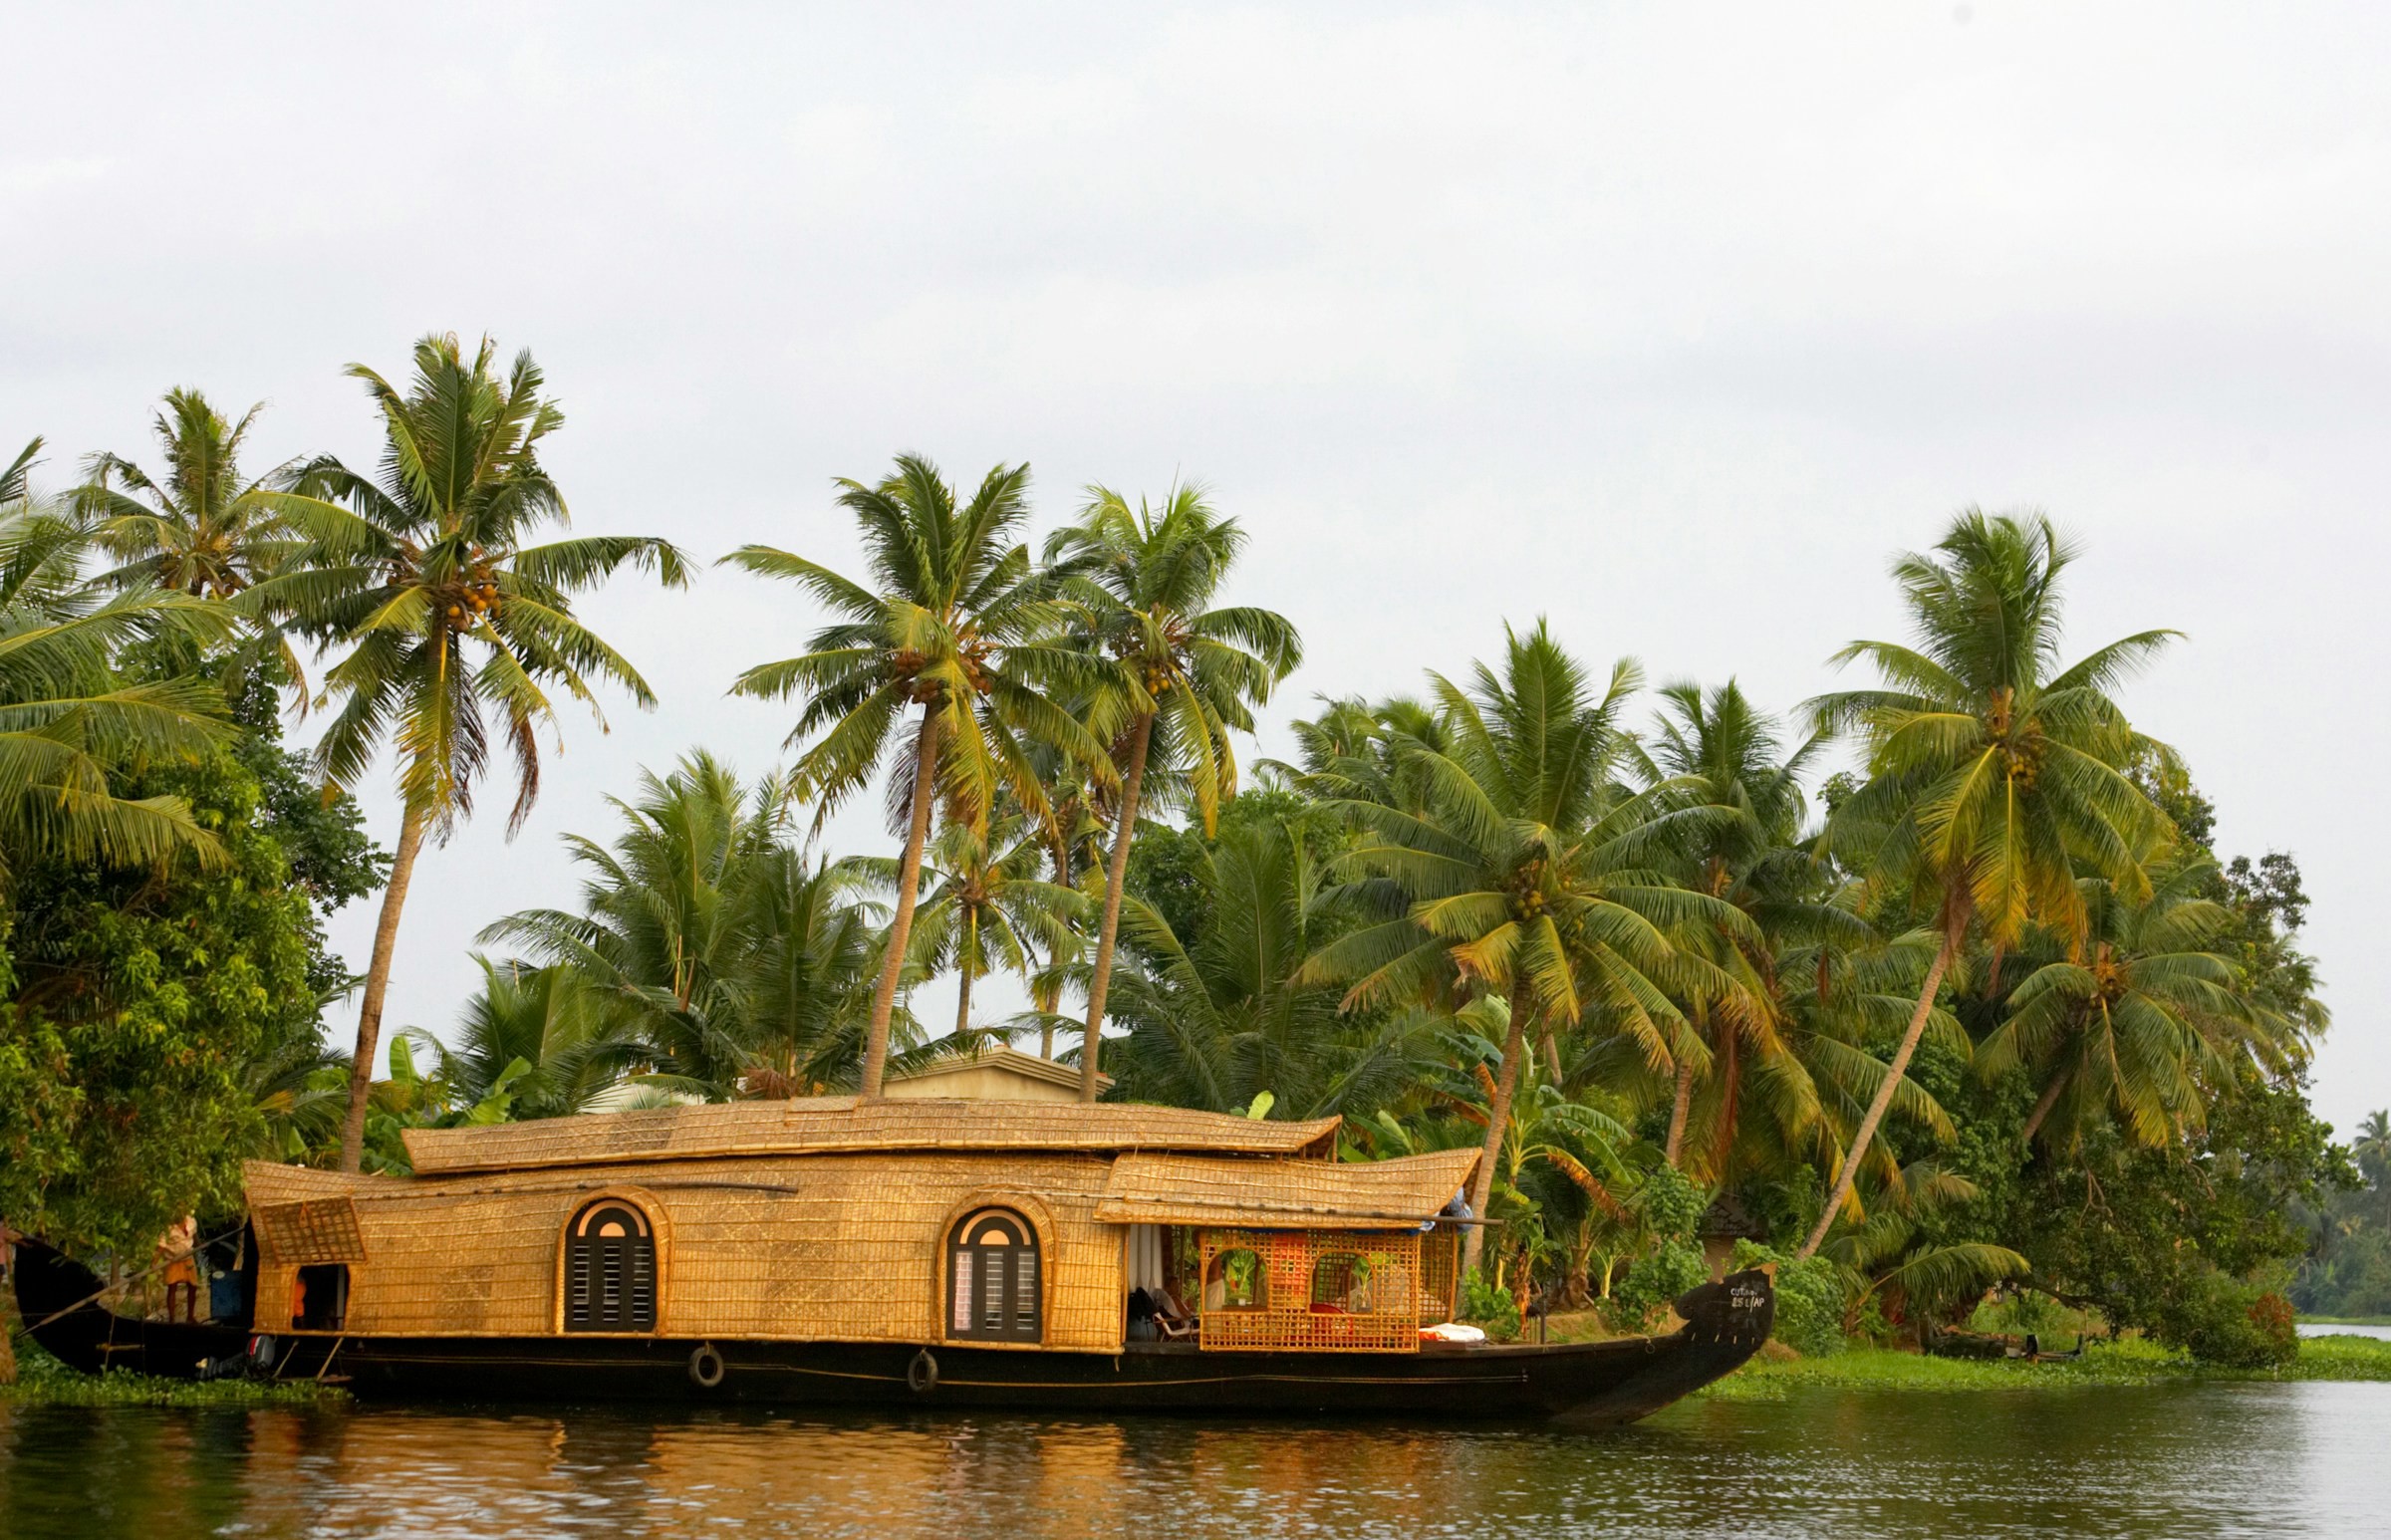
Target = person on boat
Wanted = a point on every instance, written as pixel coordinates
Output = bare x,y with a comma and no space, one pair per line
181,1266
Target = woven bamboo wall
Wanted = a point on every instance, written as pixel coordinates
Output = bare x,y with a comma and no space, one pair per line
825,1247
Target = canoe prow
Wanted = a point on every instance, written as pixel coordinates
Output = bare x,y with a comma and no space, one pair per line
60,1301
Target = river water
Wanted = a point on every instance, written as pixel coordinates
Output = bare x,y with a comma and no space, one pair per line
2197,1460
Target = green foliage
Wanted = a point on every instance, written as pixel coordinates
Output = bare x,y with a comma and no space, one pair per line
1168,864
1670,1204
1812,1295
70,721
1488,1306
2347,1271
1142,582
1220,1018
2130,1362
140,1001
2234,1325
2138,1234
450,623
1996,778
322,832
1638,1300
43,1382
710,953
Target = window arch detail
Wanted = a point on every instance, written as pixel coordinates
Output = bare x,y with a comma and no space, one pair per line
995,1278
610,1268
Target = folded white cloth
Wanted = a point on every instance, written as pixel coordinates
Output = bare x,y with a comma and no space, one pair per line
1451,1331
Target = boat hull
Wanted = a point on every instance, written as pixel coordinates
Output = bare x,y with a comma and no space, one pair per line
1580,1383
59,1300
1587,1383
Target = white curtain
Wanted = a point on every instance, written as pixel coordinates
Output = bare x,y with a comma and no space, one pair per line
1146,1257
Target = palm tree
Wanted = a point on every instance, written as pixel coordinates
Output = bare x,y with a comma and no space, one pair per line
198,527
1725,756
539,1036
1073,829
2372,1150
1528,873
1188,673
68,717
16,478
2139,1016
1994,776
958,625
987,907
1779,1078
455,629
1559,1187
2372,1147
737,962
1219,1022
811,975
300,1089
1894,1253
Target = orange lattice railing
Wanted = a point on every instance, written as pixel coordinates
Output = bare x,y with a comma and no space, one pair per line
1312,1290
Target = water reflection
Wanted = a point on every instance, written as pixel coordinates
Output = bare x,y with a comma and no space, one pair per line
2166,1460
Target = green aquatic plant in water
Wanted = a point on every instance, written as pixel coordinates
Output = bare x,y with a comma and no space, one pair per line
43,1381
2127,1363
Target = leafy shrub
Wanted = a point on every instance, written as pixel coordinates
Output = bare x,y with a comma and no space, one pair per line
1637,1299
1670,1204
1810,1299
2019,1311
2223,1321
1484,1305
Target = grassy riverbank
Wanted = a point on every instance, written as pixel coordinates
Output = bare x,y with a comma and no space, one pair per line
2130,1362
43,1381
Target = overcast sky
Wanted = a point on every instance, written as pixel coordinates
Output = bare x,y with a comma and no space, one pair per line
1670,323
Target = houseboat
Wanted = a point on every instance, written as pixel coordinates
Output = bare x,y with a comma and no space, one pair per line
916,1251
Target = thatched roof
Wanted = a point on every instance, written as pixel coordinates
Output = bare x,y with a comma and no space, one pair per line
828,1124
1195,1189
271,1181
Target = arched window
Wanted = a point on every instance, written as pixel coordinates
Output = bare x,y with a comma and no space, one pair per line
1235,1281
610,1269
992,1278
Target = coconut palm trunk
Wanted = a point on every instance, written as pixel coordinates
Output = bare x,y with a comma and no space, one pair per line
1730,1048
378,986
1677,1113
1498,1119
1682,1106
962,993
1955,924
1116,875
909,891
2043,1105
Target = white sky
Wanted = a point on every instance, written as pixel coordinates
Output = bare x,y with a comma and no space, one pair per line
1671,323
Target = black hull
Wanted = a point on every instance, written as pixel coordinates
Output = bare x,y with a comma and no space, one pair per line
1581,1384
1584,1383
